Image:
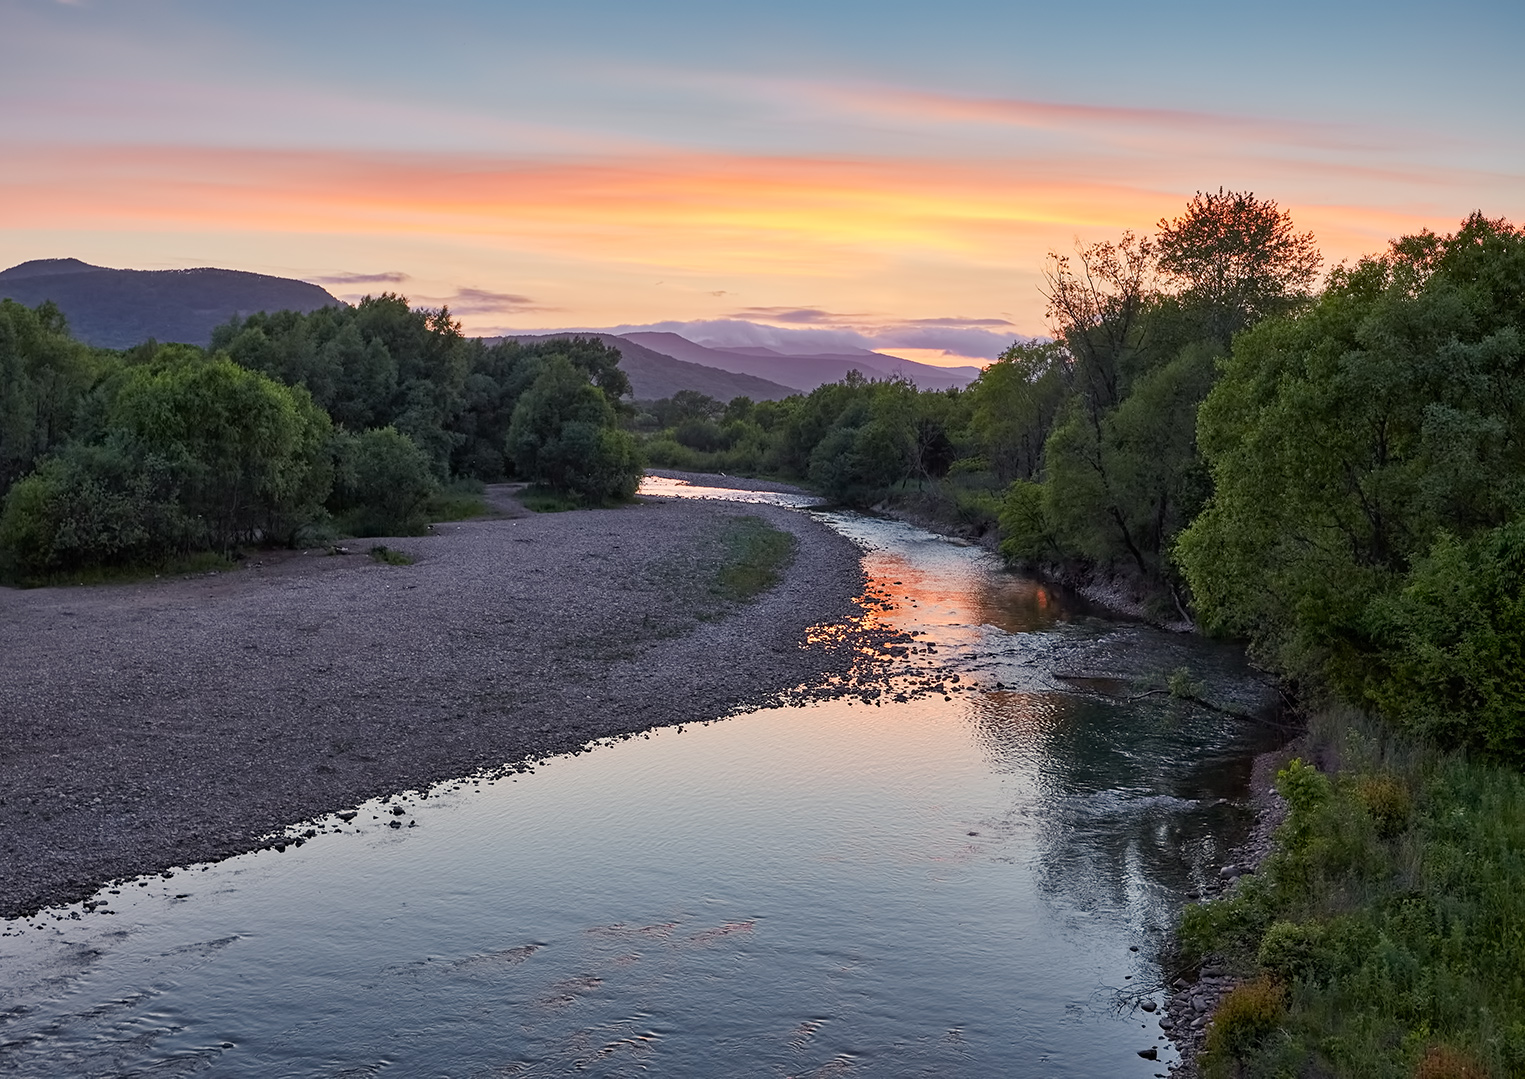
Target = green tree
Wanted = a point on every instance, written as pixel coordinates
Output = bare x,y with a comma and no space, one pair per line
1345,440
565,436
44,374
252,454
383,483
94,505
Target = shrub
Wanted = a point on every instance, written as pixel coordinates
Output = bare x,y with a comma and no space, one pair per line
1247,1016
1451,659
1444,1062
94,506
1292,951
384,484
1387,800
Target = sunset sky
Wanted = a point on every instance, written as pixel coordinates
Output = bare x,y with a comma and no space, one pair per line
829,173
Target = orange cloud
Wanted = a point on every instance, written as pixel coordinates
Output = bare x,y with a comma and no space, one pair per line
629,238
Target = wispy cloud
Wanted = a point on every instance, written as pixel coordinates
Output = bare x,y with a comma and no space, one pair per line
388,277
479,301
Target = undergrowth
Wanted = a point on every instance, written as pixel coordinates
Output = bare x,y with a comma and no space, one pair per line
1391,916
189,565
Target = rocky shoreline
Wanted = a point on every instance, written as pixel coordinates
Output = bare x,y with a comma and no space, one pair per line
166,722
1189,1010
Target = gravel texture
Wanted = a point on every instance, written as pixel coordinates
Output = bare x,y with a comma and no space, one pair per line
167,722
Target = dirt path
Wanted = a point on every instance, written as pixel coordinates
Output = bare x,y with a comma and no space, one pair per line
156,724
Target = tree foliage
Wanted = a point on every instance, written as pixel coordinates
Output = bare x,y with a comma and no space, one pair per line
165,450
564,436
1352,445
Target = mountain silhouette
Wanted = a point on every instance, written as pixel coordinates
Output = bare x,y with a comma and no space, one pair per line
804,371
654,375
121,308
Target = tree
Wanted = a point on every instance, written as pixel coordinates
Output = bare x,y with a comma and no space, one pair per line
382,484
564,436
44,373
1237,259
1345,440
1014,404
252,455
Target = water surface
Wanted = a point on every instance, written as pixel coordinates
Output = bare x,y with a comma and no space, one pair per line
930,883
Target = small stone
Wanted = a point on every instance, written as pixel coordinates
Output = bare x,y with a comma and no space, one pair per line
1149,1054
347,816
1166,1023
1199,1003
1148,1005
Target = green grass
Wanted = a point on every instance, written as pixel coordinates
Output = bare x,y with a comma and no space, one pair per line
547,501
460,501
1392,911
189,565
391,556
756,554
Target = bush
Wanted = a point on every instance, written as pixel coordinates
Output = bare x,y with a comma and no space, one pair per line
94,506
1024,526
384,484
1451,645
1247,1016
564,437
1444,1062
1387,800
1292,952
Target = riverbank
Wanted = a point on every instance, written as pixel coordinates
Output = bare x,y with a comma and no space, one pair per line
1381,936
160,723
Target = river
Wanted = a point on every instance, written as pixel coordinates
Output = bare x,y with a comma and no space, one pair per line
972,880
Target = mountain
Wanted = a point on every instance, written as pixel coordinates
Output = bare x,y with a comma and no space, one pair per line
122,308
808,371
654,375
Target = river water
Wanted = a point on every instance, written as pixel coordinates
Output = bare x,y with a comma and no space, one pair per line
972,882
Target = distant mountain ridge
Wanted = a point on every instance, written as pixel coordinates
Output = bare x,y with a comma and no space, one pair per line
121,308
654,374
808,371
113,308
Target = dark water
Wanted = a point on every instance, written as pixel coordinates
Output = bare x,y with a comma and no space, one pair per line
926,887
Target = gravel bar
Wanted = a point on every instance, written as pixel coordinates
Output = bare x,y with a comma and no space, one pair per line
166,722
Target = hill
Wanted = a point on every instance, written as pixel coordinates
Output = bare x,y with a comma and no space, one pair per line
121,308
805,371
655,374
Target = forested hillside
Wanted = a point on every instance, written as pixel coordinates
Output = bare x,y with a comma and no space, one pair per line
347,420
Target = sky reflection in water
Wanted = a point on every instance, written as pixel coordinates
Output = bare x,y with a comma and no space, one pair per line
925,887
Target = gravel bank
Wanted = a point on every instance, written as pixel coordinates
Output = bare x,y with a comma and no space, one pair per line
174,721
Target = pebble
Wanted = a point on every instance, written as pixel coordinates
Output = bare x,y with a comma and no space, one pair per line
1148,1005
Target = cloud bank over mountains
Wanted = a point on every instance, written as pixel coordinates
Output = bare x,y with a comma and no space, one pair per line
964,341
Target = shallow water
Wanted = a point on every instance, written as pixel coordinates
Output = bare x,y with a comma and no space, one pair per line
944,884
